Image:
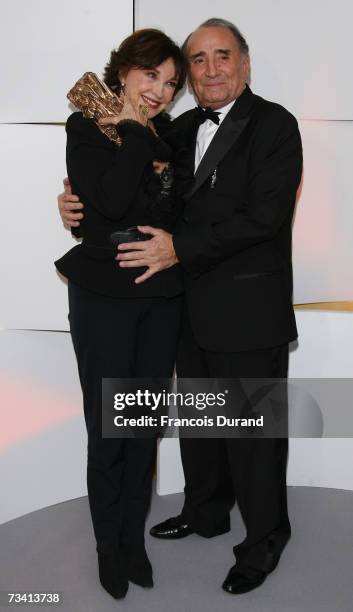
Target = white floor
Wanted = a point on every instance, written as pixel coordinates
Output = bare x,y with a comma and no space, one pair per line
53,550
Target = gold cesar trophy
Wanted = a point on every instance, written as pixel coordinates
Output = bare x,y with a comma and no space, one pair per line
95,100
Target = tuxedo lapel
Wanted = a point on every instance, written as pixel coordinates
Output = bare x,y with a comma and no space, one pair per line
226,136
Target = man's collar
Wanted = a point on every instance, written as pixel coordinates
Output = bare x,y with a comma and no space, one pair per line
222,111
243,105
225,110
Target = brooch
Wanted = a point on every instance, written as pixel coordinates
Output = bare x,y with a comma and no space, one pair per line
214,178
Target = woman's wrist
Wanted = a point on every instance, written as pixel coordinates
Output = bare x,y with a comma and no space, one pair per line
127,127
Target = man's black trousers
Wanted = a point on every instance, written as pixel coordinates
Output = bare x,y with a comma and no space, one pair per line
251,471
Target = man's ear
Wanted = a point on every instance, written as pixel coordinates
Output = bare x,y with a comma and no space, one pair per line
246,67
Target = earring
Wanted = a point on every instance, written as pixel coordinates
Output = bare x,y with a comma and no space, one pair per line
122,87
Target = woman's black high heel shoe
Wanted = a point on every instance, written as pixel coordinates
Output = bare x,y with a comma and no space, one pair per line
139,569
112,578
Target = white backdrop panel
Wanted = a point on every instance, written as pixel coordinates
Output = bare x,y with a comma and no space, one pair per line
50,45
43,437
323,228
299,49
32,160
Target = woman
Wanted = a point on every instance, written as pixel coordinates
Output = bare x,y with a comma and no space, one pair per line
121,329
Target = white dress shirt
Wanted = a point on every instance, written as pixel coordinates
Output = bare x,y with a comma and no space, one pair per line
207,131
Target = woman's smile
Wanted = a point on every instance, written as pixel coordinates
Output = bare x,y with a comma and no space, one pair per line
150,102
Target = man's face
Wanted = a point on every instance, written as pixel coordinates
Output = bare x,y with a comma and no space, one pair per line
217,69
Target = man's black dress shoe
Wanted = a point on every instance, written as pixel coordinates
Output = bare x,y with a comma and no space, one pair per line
112,578
242,580
172,529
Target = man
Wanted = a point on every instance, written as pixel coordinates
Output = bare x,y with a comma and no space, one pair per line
234,244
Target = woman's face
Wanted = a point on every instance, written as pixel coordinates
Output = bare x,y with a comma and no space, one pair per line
152,87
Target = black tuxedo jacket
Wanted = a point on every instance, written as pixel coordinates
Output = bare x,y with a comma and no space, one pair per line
234,240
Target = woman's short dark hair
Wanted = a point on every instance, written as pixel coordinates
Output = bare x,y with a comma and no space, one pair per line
147,48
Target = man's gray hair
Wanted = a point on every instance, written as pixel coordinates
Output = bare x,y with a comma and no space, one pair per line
217,22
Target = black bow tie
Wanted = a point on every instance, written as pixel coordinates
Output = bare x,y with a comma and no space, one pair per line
207,113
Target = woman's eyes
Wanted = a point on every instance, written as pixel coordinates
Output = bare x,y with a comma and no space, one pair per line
153,75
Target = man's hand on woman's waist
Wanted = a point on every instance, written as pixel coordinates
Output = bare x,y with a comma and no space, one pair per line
157,253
